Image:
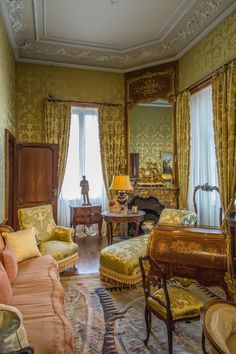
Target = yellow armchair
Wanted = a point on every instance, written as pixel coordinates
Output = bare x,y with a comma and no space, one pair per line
51,239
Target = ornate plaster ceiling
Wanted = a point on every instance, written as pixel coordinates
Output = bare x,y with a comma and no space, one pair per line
112,35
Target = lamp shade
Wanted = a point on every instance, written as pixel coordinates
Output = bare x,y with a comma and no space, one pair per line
121,183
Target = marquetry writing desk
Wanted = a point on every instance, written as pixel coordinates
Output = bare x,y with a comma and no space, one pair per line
120,218
86,215
198,253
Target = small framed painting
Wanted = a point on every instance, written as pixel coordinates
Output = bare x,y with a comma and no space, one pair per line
167,162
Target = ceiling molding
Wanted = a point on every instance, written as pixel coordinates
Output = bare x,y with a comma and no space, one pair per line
190,22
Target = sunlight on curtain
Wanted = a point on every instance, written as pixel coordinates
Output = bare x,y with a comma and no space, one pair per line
202,158
83,159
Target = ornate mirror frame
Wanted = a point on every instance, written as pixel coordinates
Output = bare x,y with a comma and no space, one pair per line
157,82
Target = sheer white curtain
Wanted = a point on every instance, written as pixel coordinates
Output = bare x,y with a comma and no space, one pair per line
202,158
83,159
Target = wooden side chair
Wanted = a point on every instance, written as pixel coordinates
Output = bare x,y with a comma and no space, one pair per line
171,302
205,188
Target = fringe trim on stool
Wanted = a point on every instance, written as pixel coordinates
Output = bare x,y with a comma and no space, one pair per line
110,276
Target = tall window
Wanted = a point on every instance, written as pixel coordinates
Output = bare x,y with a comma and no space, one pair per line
203,167
83,159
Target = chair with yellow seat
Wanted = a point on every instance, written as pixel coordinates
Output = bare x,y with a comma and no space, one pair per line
168,300
51,239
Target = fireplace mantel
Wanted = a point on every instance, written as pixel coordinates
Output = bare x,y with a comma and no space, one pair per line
167,196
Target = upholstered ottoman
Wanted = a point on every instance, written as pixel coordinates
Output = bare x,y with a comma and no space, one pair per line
119,263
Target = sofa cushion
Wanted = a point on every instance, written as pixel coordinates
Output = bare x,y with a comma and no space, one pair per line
120,262
5,288
58,249
12,332
41,217
23,244
10,263
39,296
177,217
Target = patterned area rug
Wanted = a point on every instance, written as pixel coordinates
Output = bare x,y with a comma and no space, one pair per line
111,320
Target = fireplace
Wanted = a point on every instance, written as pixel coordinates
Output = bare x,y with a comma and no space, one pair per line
151,206
153,201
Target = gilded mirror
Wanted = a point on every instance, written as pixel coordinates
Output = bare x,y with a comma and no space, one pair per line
151,142
150,114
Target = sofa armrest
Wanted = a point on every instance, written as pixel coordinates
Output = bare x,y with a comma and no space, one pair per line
63,234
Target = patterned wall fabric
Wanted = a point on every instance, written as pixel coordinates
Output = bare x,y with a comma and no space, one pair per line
35,82
7,105
213,51
151,133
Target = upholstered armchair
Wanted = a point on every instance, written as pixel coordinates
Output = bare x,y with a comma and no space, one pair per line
13,337
219,327
51,239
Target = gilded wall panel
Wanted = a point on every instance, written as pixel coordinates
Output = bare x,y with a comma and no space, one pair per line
151,133
213,51
7,113
36,82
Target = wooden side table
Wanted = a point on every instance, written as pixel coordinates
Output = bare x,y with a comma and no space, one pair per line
87,216
119,218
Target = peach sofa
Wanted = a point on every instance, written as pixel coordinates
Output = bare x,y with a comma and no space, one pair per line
39,296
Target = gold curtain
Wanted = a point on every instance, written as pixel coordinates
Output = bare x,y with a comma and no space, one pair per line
57,131
183,146
224,107
112,142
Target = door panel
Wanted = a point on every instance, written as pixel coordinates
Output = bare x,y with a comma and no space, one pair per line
10,142
36,176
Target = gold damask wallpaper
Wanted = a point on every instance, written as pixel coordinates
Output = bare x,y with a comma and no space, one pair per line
213,51
7,113
151,133
35,82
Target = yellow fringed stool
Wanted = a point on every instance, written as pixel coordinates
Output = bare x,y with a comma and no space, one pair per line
119,262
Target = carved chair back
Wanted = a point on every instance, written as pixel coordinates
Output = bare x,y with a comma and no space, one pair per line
205,188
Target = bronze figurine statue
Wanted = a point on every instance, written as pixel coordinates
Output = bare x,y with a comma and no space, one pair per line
84,190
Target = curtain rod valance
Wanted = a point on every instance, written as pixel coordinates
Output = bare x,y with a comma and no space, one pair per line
82,104
207,79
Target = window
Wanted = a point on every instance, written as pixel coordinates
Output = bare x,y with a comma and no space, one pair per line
83,159
203,167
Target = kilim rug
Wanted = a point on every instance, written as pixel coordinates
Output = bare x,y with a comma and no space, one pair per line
111,320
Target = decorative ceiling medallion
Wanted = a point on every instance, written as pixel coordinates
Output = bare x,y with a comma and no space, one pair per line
186,30
114,2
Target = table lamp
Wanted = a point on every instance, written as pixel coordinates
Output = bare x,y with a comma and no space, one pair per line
121,184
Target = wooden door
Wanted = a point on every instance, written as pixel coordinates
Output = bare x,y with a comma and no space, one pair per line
35,177
10,143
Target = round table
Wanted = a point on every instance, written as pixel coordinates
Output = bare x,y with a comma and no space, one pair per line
110,218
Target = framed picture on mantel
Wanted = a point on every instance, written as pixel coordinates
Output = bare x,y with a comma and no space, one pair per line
167,162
